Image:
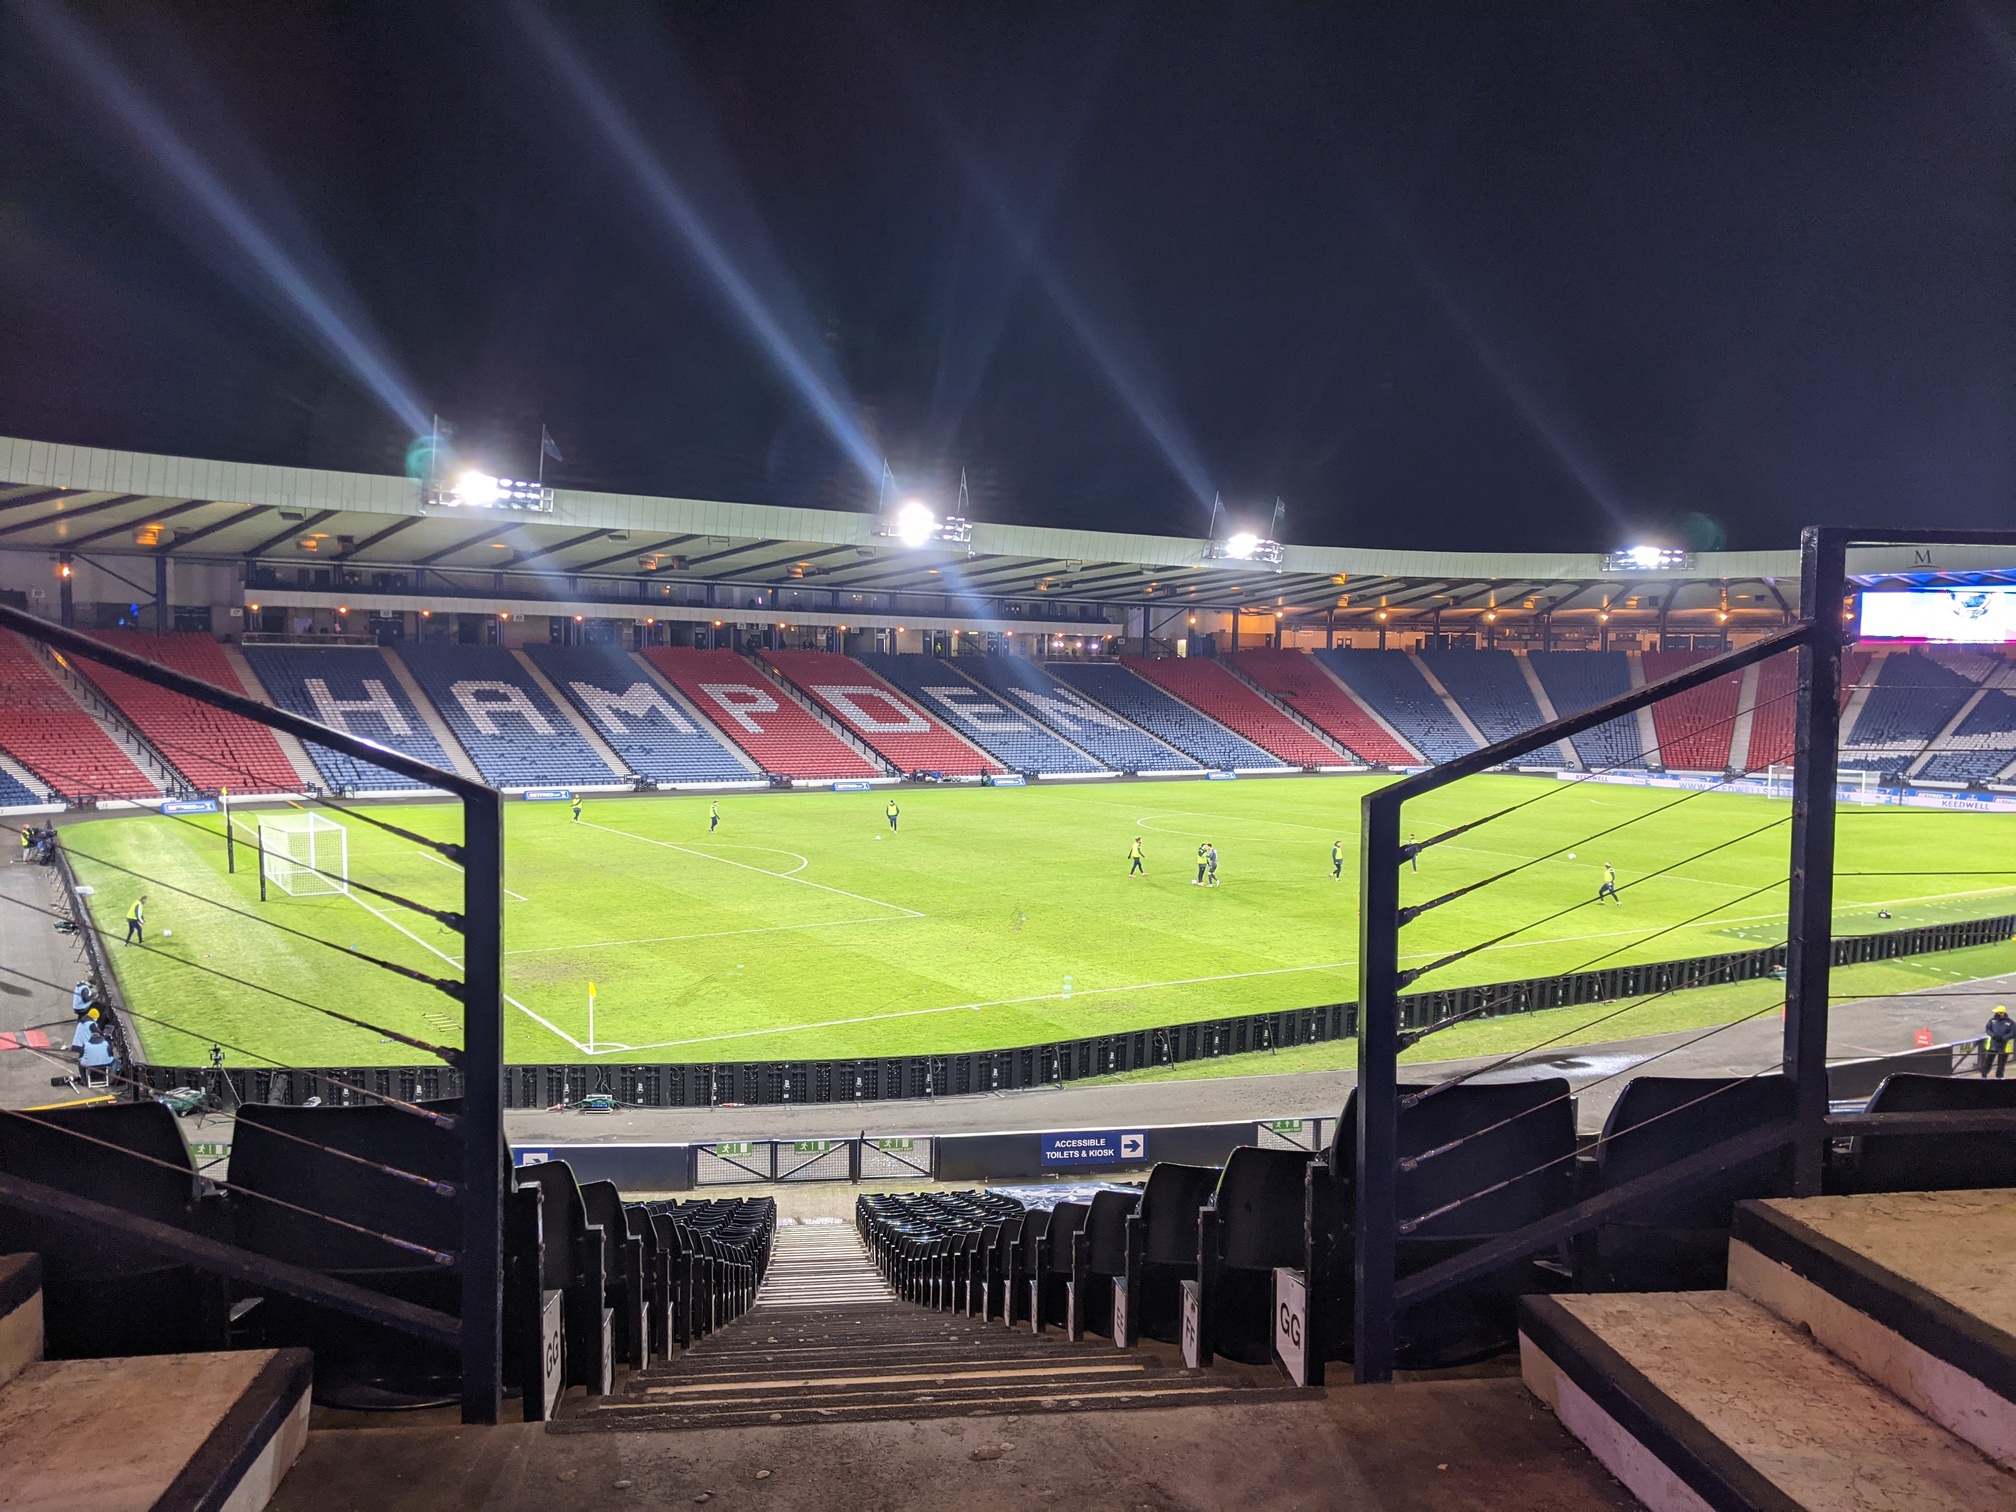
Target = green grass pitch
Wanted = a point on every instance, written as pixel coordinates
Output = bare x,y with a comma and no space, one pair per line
996,917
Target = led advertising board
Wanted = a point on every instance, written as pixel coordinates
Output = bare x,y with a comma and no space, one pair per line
1975,615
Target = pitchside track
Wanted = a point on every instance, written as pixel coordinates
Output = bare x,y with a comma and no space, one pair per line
805,928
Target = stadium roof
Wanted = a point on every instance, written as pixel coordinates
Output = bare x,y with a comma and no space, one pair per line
57,498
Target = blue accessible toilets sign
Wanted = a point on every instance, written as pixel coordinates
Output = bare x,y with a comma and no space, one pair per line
1108,1148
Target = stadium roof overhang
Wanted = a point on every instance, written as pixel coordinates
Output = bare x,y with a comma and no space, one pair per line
604,547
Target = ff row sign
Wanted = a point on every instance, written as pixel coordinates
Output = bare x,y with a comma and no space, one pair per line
1111,1148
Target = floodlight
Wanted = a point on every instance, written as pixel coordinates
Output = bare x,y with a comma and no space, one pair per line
1242,546
475,488
1646,559
915,523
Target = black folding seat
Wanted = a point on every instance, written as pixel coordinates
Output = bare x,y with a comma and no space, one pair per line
575,1266
1492,1158
997,1291
303,1158
1933,1162
623,1272
1098,1255
1252,1224
1162,1250
1679,1241
534,1314
1023,1261
657,1281
1050,1275
102,1297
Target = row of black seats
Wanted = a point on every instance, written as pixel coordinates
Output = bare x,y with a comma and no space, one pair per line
1477,1161
632,1281
676,1270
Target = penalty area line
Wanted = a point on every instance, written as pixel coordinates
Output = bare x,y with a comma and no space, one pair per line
428,945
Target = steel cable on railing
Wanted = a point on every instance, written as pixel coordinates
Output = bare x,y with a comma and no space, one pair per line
441,984
124,1010
448,1055
438,1187
446,917
1408,1225
1416,1036
448,848
439,1257
1413,1161
1569,781
1414,974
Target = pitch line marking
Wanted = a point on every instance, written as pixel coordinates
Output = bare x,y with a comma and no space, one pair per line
452,961
745,866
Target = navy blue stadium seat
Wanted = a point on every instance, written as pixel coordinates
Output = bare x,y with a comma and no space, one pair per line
1912,699
1679,1241
1165,717
1391,683
1578,680
647,723
1932,1162
1507,1159
1493,692
506,723
351,688
1101,732
15,793
1981,747
980,714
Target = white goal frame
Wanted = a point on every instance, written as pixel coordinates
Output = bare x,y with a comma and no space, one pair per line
1862,782
304,855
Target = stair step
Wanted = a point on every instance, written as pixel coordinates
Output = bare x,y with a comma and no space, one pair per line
1917,1290
170,1433
1706,1399
1173,1390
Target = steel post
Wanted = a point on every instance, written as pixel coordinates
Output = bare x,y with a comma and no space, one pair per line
1377,1216
1810,906
485,1160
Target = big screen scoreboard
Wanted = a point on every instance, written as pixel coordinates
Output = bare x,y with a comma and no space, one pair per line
1941,615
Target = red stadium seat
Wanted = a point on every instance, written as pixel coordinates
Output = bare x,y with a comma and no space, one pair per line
1300,682
1210,689
43,728
880,715
757,715
1693,729
211,748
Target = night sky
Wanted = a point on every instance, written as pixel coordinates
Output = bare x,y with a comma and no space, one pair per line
1504,276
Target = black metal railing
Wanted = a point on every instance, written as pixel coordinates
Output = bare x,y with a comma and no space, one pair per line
478,1064
960,1073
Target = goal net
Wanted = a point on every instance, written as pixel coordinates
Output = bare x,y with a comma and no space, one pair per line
1857,785
304,855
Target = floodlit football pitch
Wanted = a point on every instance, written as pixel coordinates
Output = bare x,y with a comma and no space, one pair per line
804,928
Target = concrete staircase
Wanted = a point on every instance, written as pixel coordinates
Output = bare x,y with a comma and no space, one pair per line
1863,1357
157,1433
828,1342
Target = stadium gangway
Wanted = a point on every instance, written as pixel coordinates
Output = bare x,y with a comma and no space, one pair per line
1820,639
478,1334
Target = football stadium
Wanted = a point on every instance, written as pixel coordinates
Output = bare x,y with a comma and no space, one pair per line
891,757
